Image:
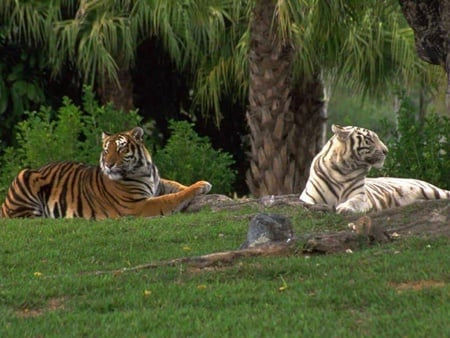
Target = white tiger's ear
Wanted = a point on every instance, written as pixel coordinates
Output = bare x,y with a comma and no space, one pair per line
137,133
105,135
341,132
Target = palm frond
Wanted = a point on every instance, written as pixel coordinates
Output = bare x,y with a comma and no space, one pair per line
366,43
28,22
222,64
221,75
99,40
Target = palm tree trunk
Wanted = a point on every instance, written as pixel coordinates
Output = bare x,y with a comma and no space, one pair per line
285,120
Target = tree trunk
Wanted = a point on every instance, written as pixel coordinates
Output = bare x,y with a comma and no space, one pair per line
430,21
285,120
121,96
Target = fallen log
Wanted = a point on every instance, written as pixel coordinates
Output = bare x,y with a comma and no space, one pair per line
426,218
213,259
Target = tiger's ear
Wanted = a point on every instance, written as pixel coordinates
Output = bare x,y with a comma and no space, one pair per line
341,132
137,133
105,135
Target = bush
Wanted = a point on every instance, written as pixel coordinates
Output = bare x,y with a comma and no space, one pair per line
74,134
188,157
420,149
71,134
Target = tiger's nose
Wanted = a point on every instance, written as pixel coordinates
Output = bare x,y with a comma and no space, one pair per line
110,165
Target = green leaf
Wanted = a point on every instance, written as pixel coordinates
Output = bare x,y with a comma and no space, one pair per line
20,87
3,96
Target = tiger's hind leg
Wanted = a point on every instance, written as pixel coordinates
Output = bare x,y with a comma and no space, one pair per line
173,202
22,199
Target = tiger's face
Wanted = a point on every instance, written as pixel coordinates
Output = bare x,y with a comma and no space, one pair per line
124,155
365,147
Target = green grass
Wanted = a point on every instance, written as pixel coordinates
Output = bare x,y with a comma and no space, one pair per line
397,290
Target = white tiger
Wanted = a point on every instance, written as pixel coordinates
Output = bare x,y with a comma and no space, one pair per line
338,173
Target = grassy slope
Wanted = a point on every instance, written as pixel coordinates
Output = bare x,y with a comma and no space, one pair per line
401,289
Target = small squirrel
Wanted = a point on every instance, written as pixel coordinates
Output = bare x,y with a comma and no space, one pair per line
363,226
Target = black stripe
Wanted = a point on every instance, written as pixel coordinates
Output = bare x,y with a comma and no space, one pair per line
319,192
437,195
351,189
323,176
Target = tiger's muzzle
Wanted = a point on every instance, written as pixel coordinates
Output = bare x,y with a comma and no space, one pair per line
114,172
377,158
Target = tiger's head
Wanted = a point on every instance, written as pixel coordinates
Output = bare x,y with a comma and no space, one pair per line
124,155
360,146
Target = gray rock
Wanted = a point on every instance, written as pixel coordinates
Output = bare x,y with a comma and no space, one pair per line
268,228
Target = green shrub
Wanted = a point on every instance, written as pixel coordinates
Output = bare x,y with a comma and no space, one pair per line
420,149
188,157
74,134
69,134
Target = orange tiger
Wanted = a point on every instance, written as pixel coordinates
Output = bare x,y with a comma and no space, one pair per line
126,183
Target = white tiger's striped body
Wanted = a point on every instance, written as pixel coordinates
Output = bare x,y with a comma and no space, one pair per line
338,176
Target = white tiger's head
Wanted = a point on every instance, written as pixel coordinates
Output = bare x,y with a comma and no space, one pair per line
361,147
124,155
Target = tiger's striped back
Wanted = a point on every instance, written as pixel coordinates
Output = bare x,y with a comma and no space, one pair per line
338,176
126,183
389,192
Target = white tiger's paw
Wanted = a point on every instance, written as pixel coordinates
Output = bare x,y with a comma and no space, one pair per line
352,206
204,187
345,209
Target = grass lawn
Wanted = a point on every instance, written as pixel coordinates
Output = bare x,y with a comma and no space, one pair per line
47,288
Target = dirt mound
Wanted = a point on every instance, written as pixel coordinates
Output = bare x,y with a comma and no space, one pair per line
427,218
422,218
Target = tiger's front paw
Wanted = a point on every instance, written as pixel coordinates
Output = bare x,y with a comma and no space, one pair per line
352,206
203,187
345,209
